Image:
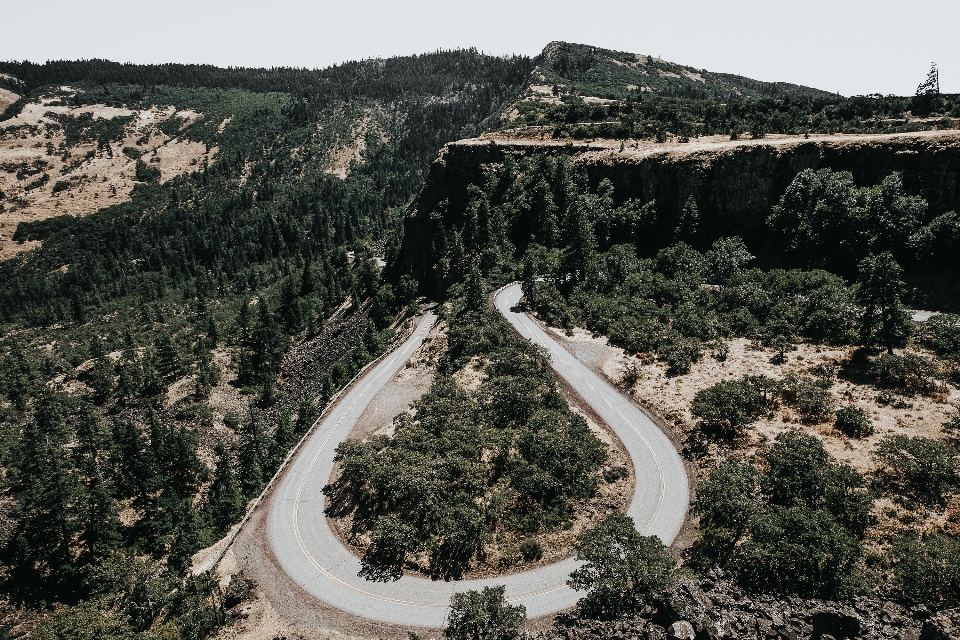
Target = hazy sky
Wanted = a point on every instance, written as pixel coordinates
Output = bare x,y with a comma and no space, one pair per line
867,46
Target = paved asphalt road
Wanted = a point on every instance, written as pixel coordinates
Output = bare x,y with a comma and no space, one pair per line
312,556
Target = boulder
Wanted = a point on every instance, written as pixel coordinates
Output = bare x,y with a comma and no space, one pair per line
681,630
239,589
944,625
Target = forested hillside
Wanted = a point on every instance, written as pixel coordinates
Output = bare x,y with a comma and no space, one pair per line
145,345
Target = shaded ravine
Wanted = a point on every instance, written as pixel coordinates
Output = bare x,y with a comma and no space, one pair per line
311,554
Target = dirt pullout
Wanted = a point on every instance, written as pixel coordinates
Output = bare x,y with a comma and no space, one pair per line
408,385
279,608
42,177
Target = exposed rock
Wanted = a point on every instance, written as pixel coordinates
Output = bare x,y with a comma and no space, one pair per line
734,184
240,589
681,630
944,625
713,607
655,632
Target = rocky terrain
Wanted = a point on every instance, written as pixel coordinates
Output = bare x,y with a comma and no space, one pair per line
713,608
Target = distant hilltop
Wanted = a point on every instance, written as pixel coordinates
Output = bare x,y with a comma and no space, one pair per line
565,68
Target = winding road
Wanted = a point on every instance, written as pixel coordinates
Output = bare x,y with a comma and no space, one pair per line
308,550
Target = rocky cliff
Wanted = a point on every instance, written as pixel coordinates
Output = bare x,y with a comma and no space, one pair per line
734,183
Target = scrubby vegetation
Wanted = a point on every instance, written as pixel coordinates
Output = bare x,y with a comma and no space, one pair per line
795,525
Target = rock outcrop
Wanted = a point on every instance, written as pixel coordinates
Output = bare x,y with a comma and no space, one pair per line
713,608
733,183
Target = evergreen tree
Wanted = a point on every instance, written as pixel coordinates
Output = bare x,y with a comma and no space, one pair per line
252,452
224,502
98,520
46,488
475,291
283,439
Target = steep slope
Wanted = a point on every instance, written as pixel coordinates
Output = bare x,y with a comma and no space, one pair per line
732,184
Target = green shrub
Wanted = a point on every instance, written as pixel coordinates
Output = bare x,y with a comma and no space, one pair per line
531,550
681,354
732,405
61,185
726,502
928,571
909,372
484,615
145,173
952,425
798,550
918,466
853,421
810,399
794,528
941,333
800,471
132,152
621,566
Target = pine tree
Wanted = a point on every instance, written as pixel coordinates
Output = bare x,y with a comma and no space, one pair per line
252,450
224,502
168,358
283,439
98,520
307,413
475,291
45,487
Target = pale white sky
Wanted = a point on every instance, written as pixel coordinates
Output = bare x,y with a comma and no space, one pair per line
851,47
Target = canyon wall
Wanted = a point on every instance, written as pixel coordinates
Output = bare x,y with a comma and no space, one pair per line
734,183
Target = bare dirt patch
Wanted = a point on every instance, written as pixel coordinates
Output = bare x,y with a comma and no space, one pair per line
83,177
670,397
350,149
7,98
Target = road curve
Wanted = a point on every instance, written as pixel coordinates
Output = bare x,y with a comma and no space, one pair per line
309,552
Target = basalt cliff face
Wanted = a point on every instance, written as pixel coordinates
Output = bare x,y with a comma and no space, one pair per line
734,183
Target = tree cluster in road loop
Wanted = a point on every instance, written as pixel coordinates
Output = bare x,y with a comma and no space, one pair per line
469,468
